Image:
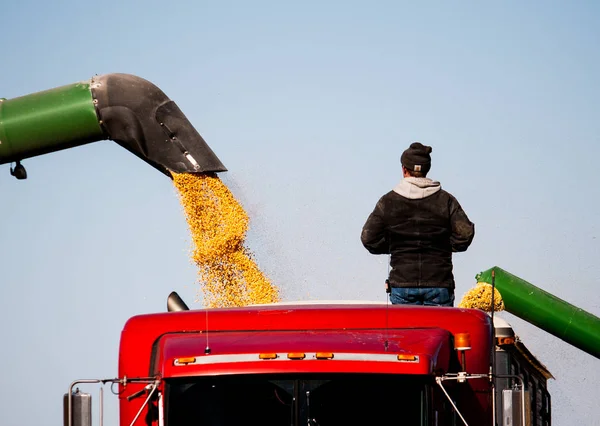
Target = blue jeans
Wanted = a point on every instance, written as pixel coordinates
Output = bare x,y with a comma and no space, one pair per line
429,296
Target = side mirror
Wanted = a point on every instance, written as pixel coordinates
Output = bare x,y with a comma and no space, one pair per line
80,407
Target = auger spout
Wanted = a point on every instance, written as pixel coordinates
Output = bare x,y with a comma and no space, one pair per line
124,108
546,311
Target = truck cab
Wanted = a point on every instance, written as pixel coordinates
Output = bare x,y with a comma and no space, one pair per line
317,364
328,363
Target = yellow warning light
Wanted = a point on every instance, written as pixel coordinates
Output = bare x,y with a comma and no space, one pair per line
185,360
296,355
270,355
405,357
462,341
324,355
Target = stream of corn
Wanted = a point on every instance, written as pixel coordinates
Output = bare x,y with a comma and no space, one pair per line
227,272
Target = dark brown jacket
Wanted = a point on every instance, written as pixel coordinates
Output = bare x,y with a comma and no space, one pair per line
420,225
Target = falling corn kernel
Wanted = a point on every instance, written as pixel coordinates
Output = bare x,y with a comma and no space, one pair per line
228,275
480,297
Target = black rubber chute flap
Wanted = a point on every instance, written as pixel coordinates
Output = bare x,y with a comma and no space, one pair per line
142,119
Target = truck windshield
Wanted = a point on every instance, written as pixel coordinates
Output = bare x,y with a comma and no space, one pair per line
318,400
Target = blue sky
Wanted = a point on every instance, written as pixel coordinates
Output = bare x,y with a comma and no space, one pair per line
310,106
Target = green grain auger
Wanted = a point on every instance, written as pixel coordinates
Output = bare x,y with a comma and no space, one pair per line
546,311
124,108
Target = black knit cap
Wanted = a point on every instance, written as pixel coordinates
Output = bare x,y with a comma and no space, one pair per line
417,158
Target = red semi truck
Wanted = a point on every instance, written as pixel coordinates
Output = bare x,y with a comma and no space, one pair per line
338,363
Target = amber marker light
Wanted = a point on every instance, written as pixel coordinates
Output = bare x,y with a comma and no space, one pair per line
270,355
505,340
296,355
462,341
324,355
185,360
405,357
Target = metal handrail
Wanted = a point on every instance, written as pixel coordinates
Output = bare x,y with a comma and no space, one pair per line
460,377
151,381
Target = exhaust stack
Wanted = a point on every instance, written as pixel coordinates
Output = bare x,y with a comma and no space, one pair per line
124,108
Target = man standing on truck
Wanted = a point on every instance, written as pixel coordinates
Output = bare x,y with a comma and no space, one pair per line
420,225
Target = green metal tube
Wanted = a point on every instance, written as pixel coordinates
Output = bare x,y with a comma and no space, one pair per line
546,311
48,121
124,108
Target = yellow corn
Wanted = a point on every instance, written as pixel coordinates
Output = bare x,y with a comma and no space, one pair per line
228,275
480,297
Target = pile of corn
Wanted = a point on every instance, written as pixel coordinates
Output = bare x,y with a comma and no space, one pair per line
480,297
228,275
